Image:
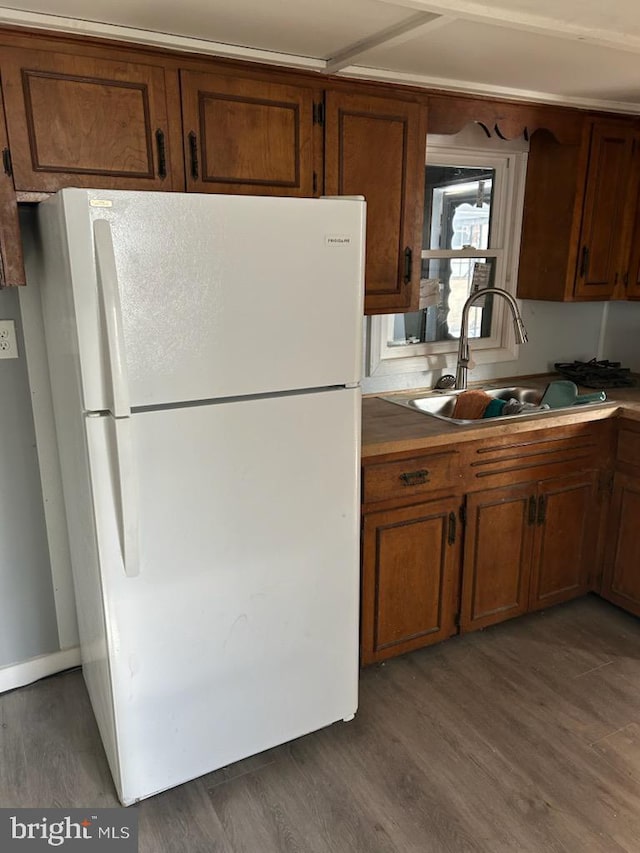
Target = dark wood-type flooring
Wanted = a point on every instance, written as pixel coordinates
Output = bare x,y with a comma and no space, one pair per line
524,737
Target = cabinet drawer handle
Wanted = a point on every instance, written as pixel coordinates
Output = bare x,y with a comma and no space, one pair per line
162,154
542,509
415,478
532,510
408,264
193,149
451,535
584,263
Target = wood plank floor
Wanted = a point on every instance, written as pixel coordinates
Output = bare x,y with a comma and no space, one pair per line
523,737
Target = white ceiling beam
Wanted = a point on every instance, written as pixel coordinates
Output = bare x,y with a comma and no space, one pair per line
521,19
398,33
58,23
361,72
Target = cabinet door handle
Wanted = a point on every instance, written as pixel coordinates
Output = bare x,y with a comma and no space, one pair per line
451,535
162,154
532,510
408,264
542,509
193,149
414,478
584,263
6,162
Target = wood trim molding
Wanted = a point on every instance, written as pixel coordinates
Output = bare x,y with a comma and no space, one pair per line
506,120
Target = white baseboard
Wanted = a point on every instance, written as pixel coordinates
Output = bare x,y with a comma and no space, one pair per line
19,674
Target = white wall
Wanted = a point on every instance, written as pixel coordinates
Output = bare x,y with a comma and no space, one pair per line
28,625
557,332
622,336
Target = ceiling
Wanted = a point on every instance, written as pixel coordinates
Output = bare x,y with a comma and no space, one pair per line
581,52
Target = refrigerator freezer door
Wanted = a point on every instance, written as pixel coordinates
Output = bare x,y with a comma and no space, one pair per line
217,296
241,630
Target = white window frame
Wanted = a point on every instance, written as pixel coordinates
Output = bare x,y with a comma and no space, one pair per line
509,160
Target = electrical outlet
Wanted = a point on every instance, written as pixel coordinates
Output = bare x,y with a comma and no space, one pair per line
8,345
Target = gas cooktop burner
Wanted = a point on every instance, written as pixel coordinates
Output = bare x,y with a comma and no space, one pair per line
596,374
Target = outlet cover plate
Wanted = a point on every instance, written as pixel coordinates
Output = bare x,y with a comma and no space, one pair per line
8,345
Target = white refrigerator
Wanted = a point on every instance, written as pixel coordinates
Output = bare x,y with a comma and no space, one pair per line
205,358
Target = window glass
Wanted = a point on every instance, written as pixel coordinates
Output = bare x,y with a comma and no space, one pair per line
474,192
458,207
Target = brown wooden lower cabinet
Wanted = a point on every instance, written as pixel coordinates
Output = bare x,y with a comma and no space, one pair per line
566,540
528,546
497,555
621,581
533,532
411,569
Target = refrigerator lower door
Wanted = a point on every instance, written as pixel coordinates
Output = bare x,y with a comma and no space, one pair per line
240,629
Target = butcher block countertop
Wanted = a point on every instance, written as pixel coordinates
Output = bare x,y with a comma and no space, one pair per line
389,428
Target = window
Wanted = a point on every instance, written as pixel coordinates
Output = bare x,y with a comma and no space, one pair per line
474,191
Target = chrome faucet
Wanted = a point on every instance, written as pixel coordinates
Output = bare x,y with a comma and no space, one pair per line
463,349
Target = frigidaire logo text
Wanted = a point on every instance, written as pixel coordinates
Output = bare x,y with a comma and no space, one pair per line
55,833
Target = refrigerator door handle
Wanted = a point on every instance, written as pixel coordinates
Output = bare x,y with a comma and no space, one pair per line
109,293
118,445
127,498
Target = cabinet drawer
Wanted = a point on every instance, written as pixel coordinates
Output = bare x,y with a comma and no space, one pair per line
528,457
408,477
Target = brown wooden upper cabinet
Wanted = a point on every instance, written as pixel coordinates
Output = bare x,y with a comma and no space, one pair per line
375,147
11,262
603,256
632,284
82,121
247,135
580,207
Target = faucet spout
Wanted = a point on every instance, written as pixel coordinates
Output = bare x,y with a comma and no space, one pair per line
463,348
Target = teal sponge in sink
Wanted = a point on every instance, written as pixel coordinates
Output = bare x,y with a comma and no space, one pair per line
494,409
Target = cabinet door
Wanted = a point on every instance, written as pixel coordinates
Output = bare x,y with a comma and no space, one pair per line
566,539
11,263
611,167
621,581
632,277
375,147
411,565
633,283
549,243
245,135
81,121
497,555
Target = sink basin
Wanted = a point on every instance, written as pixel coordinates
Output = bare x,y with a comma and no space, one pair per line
441,406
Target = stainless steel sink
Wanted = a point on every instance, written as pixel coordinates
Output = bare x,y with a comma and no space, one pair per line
441,405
